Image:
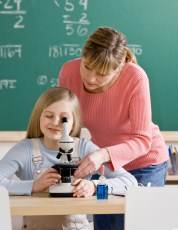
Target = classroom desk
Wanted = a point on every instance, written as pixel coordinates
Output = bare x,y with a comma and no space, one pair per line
44,205
172,179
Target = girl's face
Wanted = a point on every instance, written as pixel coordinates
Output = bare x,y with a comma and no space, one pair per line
94,82
50,122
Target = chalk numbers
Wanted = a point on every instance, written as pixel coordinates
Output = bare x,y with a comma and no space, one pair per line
69,6
19,23
14,7
80,26
84,3
43,80
7,5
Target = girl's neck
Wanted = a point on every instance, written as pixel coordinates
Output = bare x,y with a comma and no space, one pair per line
50,144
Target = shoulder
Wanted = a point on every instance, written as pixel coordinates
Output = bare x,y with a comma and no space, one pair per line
72,66
74,62
20,151
133,79
69,75
135,71
86,147
23,144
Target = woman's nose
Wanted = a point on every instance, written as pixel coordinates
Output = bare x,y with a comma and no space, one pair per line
92,78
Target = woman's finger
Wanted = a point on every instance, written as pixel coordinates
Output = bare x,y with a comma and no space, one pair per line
84,169
76,181
89,164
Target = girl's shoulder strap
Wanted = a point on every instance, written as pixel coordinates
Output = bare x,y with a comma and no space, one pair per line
76,152
36,157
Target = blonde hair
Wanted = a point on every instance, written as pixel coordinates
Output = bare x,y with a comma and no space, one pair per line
46,99
105,50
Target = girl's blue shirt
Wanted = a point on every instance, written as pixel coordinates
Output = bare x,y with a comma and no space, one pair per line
18,161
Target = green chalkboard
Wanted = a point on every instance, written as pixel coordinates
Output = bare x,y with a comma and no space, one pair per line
38,36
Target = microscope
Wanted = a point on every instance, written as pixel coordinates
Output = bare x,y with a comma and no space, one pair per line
66,166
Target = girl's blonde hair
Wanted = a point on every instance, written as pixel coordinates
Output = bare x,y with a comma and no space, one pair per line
49,97
105,49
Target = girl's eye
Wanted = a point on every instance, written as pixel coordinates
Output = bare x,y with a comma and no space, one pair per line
48,116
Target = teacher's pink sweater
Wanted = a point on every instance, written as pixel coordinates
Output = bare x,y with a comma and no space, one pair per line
120,117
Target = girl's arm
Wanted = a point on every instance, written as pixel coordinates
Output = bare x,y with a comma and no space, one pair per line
118,182
16,187
16,162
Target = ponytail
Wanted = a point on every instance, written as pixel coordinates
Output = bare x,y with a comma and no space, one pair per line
130,57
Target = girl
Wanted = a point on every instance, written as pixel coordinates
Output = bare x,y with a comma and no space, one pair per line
32,158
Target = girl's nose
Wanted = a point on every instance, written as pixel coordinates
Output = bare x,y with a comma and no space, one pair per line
56,121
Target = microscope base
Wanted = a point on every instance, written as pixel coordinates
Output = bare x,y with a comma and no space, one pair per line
61,194
61,190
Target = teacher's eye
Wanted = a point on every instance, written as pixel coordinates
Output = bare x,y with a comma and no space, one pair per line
86,67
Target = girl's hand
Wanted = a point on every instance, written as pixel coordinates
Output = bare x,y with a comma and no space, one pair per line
83,188
45,180
91,163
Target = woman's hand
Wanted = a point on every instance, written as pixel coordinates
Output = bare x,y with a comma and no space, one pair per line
91,163
83,188
45,180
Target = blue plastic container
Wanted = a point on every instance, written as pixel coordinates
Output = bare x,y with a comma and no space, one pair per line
102,191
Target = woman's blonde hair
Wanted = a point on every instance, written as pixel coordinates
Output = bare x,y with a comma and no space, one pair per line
49,97
105,50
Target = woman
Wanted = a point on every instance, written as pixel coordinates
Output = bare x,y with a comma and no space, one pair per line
115,99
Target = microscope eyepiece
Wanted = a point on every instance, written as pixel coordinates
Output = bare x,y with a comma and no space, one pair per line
64,119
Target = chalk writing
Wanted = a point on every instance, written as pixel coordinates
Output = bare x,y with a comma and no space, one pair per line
8,84
10,51
57,3
13,8
56,51
79,25
136,49
53,82
84,3
43,80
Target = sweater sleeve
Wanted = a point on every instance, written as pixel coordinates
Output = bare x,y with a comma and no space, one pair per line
118,182
13,163
139,142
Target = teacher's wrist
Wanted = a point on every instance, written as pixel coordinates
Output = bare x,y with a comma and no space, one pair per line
106,155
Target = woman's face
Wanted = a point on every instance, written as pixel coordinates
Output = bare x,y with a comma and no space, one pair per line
94,82
50,121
